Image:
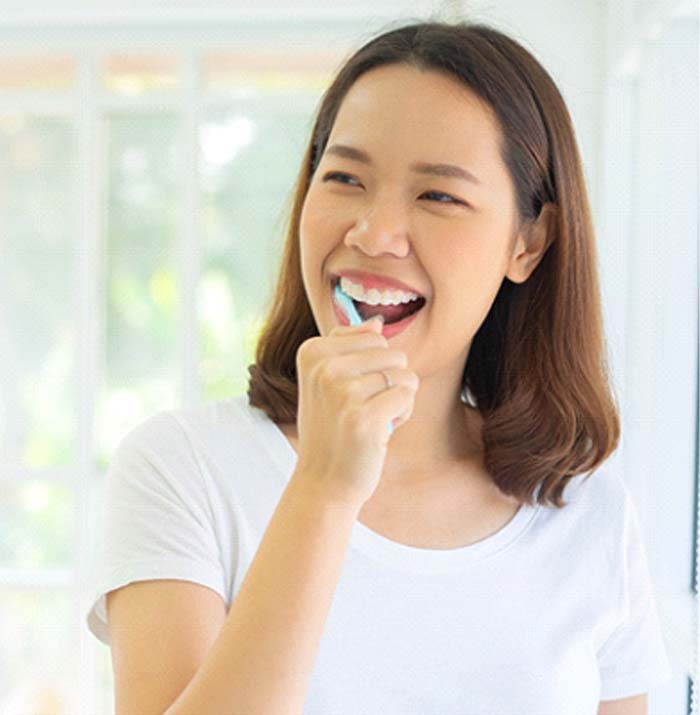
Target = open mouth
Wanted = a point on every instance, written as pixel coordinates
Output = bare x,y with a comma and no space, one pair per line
391,313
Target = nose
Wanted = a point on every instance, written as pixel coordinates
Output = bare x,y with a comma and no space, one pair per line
381,229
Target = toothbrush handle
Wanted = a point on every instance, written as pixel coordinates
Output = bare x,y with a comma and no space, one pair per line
354,319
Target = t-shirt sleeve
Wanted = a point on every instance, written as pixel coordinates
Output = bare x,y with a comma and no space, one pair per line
634,659
157,521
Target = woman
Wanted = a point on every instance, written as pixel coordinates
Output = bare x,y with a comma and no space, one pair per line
288,553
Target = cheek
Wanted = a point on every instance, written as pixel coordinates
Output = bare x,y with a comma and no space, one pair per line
317,219
476,251
317,238
473,270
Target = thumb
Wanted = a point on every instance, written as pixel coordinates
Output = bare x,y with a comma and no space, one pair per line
376,323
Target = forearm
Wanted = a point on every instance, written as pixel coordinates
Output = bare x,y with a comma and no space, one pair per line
262,660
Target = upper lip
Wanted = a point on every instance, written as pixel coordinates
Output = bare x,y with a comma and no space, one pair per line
374,280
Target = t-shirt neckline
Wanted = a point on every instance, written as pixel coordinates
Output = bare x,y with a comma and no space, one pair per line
393,553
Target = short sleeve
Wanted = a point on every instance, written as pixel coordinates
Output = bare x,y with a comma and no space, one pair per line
157,521
633,659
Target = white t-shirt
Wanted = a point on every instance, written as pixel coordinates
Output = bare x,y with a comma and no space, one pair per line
549,615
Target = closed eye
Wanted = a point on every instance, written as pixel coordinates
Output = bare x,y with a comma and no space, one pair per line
333,174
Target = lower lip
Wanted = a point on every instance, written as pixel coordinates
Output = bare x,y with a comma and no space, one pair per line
388,330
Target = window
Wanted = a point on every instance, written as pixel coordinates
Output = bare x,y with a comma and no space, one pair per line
142,206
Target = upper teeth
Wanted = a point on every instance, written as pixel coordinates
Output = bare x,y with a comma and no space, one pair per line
375,297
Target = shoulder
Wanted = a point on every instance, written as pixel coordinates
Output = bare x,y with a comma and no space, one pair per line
608,516
603,491
230,419
595,512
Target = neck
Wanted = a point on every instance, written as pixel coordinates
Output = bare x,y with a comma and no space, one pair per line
441,432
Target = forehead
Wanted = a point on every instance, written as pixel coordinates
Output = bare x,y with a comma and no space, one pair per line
399,114
426,113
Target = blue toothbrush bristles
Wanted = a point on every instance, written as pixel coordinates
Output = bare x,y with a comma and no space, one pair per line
348,307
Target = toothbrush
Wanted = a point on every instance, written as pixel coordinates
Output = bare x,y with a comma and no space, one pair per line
348,307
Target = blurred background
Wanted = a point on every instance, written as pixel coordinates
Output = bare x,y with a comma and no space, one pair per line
147,159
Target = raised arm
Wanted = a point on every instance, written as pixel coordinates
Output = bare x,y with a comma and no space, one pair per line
262,660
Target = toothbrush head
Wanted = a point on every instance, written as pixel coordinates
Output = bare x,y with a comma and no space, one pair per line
347,306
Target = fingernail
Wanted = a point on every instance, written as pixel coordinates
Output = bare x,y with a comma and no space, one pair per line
379,318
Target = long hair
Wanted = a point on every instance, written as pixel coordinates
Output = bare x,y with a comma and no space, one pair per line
537,369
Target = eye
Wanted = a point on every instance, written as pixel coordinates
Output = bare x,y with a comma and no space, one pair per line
450,199
334,174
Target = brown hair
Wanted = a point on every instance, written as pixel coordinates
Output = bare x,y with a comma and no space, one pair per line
537,369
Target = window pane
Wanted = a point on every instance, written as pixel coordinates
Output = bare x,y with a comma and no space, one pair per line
38,653
37,73
306,69
38,280
139,74
37,518
143,199
105,681
250,158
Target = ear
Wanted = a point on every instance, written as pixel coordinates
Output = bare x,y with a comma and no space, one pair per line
530,244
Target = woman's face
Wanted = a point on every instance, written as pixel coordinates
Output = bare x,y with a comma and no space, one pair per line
446,237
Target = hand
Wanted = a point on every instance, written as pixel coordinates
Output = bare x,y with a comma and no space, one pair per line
344,408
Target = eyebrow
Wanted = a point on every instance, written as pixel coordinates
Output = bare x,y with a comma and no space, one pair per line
421,167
